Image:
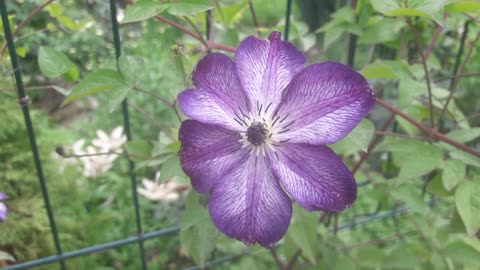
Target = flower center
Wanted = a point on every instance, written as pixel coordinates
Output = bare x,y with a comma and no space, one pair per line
257,133
262,129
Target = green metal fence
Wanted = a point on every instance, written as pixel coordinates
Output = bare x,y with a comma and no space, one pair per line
140,236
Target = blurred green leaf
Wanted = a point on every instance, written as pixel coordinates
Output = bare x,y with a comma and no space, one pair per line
303,231
189,7
383,30
131,66
142,10
463,254
101,80
369,256
53,63
170,168
357,140
463,6
138,148
467,201
453,173
386,69
465,157
465,135
198,235
116,100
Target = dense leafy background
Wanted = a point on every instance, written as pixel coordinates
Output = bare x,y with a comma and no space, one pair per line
418,202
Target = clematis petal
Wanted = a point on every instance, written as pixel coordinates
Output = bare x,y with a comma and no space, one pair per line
249,204
218,94
324,103
266,68
3,211
208,152
315,177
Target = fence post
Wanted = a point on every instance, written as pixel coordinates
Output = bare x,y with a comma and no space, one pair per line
126,124
24,100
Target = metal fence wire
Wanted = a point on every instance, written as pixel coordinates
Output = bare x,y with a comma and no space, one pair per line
140,236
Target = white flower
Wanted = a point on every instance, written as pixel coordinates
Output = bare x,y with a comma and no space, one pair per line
113,142
154,191
95,165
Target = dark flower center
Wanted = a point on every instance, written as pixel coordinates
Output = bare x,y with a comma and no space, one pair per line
257,133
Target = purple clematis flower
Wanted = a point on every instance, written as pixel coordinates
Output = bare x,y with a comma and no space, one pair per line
3,207
258,132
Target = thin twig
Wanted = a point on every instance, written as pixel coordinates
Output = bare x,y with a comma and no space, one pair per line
195,28
372,144
102,154
463,75
434,38
165,101
211,45
277,259
293,260
400,135
254,16
24,22
149,117
457,79
425,69
429,131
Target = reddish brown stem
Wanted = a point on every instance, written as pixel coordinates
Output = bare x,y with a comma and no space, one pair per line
211,45
25,21
429,131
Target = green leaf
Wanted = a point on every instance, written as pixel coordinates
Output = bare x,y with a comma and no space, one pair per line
384,5
414,158
408,90
71,75
170,168
411,196
357,140
198,235
101,80
407,12
453,173
464,157
463,253
467,201
52,62
383,30
465,135
369,256
131,66
302,231
139,148
436,187
189,7
142,10
116,100
463,6
386,69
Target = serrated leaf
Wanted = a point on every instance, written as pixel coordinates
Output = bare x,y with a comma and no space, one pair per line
198,235
131,66
467,201
101,80
142,10
357,140
453,173
53,63
189,7
302,231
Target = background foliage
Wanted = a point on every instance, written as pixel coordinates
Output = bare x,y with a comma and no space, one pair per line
418,201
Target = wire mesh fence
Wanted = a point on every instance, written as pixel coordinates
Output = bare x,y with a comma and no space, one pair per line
140,237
